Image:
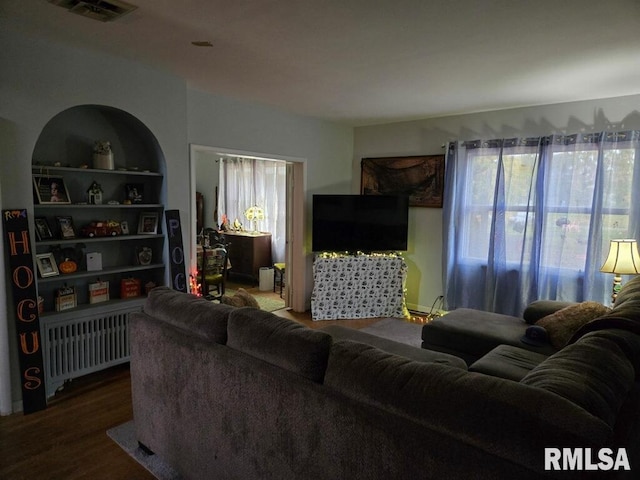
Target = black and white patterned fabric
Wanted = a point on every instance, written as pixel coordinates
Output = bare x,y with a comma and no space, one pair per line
358,286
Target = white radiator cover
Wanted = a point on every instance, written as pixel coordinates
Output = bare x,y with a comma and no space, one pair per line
80,342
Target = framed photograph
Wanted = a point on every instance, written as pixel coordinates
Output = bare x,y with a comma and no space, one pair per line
134,192
148,223
43,232
47,265
124,226
421,177
50,190
65,227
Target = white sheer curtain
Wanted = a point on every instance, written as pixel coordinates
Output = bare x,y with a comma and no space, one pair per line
531,218
247,182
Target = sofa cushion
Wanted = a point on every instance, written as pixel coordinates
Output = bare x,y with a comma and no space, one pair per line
450,400
279,341
618,330
594,373
506,361
189,312
475,333
561,325
412,353
628,299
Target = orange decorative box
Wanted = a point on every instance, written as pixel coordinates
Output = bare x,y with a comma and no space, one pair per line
130,287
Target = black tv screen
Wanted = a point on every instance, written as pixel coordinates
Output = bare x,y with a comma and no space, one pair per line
364,223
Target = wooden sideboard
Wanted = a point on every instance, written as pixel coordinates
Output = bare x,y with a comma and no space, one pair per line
248,252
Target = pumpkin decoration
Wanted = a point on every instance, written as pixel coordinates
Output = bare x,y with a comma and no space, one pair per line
68,266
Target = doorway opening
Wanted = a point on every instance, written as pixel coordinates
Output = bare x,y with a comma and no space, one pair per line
207,212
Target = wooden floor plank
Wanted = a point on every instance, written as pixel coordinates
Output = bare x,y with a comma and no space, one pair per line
68,440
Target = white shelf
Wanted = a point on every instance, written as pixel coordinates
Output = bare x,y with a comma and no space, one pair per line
44,170
118,206
117,238
117,251
100,273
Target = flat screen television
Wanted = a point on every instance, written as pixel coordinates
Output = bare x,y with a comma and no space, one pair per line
366,223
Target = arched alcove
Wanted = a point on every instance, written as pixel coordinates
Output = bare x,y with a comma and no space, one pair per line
116,250
68,138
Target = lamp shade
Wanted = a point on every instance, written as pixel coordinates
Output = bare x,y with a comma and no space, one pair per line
623,258
254,213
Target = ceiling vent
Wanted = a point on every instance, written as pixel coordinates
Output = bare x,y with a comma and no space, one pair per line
102,10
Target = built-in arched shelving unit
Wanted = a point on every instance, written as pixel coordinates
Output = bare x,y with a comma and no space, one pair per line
93,335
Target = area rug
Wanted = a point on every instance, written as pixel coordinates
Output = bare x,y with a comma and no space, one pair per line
266,302
124,435
398,330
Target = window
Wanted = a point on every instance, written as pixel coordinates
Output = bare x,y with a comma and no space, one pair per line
534,217
517,171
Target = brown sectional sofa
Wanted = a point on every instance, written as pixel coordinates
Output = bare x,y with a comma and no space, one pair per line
243,394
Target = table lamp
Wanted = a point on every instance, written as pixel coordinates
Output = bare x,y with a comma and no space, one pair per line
623,259
254,214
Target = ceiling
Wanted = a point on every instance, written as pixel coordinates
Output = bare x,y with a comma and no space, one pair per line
363,62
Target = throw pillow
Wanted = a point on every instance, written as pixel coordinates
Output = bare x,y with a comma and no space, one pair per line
561,325
242,298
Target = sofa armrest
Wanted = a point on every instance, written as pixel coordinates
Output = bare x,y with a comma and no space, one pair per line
541,308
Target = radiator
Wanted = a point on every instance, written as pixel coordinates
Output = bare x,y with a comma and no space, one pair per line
78,343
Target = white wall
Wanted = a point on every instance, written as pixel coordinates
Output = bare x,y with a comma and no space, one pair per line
326,148
426,137
41,79
207,179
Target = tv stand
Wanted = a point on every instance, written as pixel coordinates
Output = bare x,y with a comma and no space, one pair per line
358,286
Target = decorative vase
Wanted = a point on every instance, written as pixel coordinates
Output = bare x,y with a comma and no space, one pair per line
103,161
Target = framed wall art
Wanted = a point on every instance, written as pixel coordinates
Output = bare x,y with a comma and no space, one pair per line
421,177
50,190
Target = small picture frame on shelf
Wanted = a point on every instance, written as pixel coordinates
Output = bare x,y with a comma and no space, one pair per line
134,193
124,226
148,223
65,227
47,266
43,232
50,190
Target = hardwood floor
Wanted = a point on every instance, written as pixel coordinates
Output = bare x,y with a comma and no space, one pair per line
68,440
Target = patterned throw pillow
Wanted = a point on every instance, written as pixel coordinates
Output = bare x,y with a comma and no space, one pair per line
561,325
